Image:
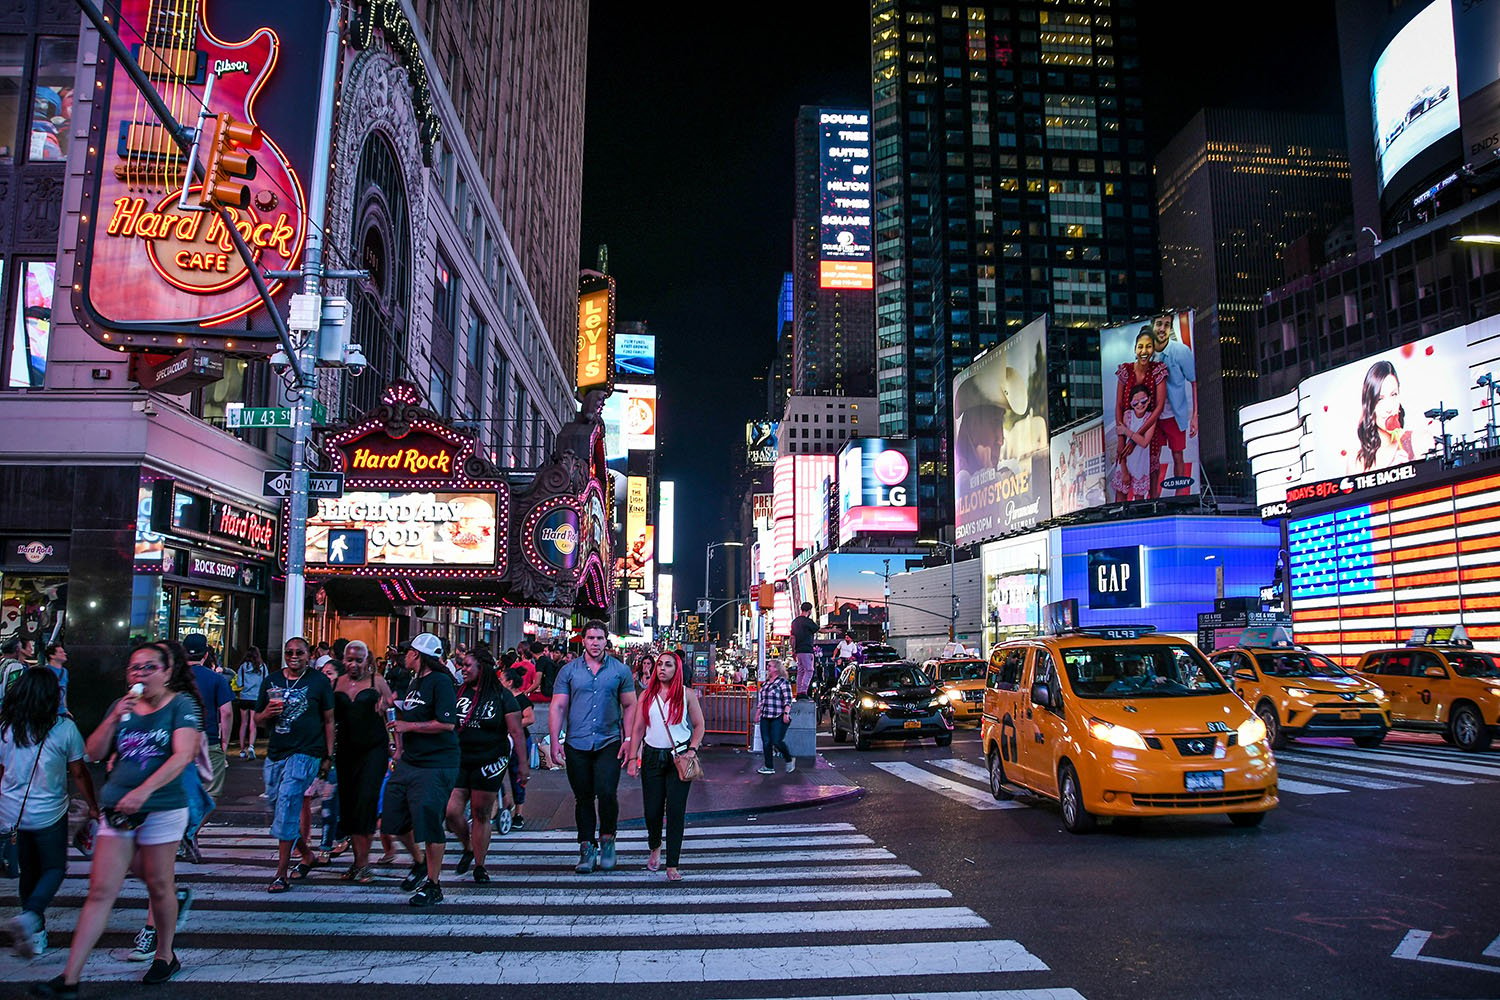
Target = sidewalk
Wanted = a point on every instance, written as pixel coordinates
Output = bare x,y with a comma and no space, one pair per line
729,787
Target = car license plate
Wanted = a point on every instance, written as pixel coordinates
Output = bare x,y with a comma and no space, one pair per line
1205,781
913,724
1349,713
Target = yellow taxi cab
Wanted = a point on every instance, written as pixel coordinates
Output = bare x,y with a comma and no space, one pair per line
1438,682
1124,722
1297,692
962,680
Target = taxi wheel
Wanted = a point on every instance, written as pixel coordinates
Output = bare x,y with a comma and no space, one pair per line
1369,742
997,775
1275,738
1247,819
944,741
860,742
1076,818
1468,729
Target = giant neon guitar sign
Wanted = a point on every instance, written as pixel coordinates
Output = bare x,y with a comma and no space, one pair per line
154,274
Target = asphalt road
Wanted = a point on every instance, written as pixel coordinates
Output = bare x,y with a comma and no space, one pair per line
925,887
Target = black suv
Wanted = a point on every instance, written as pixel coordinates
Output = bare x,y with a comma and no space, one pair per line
894,701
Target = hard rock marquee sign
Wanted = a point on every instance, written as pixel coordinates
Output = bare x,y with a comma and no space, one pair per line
433,522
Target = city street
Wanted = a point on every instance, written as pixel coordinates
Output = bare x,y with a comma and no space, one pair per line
1372,879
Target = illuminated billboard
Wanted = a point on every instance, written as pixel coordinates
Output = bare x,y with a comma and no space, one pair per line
629,421
1414,90
415,529
596,333
1001,444
634,562
635,355
845,228
1476,32
852,586
666,517
877,488
1078,468
1151,442
761,446
147,268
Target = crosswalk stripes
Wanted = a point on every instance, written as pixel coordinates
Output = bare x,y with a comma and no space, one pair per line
861,915
1304,769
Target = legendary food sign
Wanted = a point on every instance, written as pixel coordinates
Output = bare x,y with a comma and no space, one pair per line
408,529
151,273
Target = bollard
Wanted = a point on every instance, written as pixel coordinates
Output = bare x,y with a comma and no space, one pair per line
802,736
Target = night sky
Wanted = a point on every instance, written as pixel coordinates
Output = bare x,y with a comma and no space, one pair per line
688,179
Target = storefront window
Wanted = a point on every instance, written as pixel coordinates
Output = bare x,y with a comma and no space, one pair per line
31,606
32,331
12,60
205,611
52,98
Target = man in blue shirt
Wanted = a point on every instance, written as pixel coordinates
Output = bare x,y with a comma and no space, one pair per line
218,700
590,698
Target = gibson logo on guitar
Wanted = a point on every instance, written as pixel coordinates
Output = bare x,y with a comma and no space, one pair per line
138,227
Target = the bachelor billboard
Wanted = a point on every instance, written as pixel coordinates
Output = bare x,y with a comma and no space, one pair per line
845,224
1001,447
1151,442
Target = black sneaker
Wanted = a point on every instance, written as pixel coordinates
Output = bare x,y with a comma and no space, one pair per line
416,877
464,861
161,971
55,987
517,822
429,895
481,876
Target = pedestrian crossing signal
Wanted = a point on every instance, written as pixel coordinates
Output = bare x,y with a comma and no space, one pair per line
229,165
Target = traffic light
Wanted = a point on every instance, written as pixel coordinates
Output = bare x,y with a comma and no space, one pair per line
765,596
229,166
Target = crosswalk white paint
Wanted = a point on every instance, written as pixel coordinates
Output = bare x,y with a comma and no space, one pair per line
1284,770
860,915
946,787
1441,763
1326,765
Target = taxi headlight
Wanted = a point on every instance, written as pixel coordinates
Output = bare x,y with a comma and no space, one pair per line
1116,735
867,702
1378,693
1296,692
1251,731
1495,691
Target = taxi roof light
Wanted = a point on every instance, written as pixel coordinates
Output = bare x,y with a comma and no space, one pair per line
1446,635
1061,618
1279,637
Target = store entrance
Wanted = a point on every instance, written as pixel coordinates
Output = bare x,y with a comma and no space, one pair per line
226,619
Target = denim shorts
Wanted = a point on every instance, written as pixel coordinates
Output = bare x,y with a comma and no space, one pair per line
287,781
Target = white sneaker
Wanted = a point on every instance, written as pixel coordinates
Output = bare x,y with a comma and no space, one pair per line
38,944
23,928
145,945
765,770
791,764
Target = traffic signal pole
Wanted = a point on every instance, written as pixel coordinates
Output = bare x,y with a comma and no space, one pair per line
304,357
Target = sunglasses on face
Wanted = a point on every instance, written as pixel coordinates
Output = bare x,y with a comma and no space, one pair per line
143,668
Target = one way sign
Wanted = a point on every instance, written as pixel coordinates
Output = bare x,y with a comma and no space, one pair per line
278,485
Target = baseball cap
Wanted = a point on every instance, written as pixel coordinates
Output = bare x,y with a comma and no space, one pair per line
196,645
428,644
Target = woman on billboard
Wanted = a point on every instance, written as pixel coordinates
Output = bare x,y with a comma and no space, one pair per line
1384,441
1150,375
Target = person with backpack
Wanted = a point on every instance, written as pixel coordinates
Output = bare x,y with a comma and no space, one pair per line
16,655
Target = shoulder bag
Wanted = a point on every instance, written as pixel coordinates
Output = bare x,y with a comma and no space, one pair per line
684,757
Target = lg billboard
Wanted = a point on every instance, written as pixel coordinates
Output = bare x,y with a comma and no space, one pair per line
877,488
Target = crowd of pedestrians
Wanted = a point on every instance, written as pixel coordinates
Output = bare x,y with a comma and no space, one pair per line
423,743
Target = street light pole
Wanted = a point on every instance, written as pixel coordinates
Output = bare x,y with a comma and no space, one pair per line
708,555
952,583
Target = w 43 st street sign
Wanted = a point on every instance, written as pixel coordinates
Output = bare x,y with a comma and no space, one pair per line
278,484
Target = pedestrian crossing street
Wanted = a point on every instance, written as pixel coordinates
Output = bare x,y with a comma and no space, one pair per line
1304,768
792,910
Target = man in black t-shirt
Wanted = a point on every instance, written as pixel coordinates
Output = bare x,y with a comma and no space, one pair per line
416,795
804,630
296,706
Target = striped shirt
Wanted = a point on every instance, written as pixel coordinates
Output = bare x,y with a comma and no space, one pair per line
775,699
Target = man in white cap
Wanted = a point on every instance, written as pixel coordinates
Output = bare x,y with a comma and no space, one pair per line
416,796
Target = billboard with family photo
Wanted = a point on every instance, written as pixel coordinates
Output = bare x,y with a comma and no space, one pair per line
1150,376
1371,414
1001,444
1079,469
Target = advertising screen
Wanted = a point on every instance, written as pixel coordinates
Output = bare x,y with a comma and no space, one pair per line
1414,90
1370,414
760,442
1078,468
596,333
666,516
1001,443
845,228
635,355
629,421
1150,376
403,529
877,488
855,579
1015,586
1476,32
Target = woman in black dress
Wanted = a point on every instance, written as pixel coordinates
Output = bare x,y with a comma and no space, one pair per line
489,727
361,753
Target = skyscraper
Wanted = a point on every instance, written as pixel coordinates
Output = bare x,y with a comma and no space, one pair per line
1235,190
834,336
1011,180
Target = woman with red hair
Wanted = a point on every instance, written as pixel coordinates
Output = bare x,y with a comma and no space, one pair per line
672,723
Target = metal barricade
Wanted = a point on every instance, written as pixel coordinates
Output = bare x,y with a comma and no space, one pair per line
728,710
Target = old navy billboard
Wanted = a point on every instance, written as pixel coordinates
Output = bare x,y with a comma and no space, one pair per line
877,488
845,228
147,267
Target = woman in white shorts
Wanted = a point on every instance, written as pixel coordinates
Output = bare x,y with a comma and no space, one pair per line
154,737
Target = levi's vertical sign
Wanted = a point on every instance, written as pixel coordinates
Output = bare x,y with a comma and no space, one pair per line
596,333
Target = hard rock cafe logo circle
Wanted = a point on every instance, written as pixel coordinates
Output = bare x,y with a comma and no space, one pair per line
193,250
563,536
35,552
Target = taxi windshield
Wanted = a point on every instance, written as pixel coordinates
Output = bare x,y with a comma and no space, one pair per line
882,678
1140,671
1473,664
1300,663
962,670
